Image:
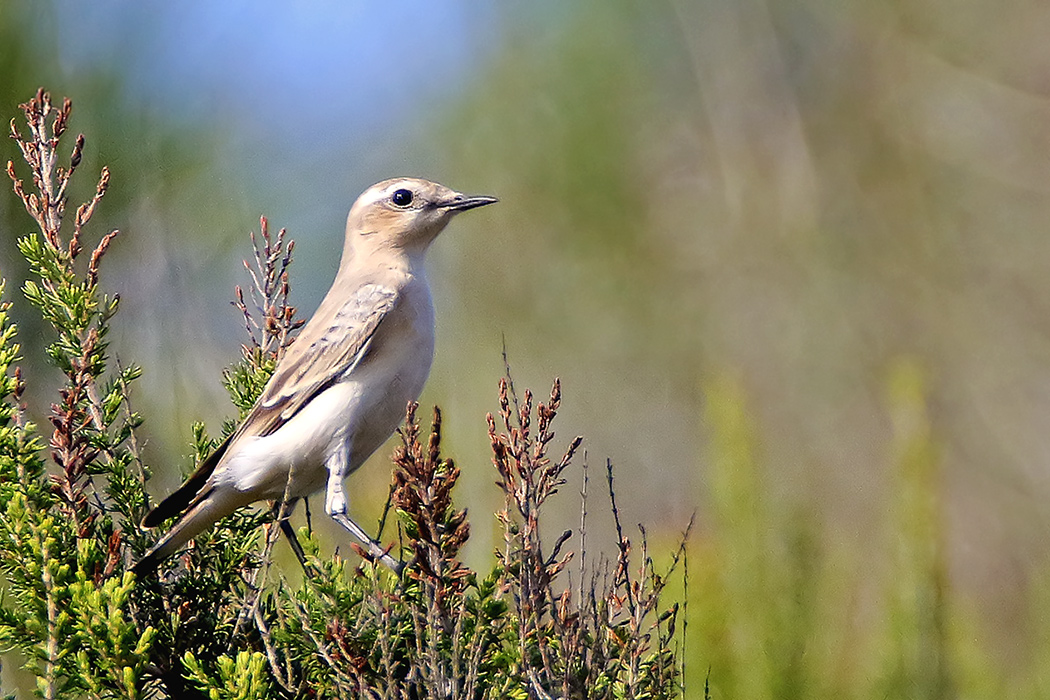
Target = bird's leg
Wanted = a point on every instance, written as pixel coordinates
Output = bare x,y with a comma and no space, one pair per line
335,504
282,511
293,541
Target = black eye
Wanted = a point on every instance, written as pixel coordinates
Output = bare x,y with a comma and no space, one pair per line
402,198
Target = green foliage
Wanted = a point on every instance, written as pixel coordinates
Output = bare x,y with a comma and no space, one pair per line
444,629
245,380
242,678
66,609
111,652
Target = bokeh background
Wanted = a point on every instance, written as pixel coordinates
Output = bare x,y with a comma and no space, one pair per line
790,260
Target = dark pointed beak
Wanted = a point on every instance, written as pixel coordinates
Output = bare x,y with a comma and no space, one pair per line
462,202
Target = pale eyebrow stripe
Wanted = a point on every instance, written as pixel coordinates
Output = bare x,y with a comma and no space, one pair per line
382,194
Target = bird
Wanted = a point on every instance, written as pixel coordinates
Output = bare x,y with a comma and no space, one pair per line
342,386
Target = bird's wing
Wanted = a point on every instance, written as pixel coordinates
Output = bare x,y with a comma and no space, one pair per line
329,348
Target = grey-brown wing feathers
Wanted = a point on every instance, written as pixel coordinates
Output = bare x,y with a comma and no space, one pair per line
327,349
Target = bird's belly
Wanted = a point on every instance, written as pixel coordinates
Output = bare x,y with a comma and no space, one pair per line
356,414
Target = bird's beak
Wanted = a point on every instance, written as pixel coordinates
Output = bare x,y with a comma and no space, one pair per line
462,202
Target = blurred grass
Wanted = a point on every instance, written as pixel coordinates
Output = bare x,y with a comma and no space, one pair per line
778,609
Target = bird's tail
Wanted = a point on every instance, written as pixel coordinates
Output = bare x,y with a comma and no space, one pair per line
208,508
199,505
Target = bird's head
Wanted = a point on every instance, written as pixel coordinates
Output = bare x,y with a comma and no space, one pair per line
405,213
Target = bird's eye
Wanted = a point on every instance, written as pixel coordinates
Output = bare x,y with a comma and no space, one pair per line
402,198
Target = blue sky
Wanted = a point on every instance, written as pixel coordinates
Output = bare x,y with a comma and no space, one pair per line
359,63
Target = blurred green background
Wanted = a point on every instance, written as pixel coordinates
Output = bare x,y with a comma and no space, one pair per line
790,260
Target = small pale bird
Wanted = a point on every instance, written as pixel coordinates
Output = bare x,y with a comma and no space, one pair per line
342,386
